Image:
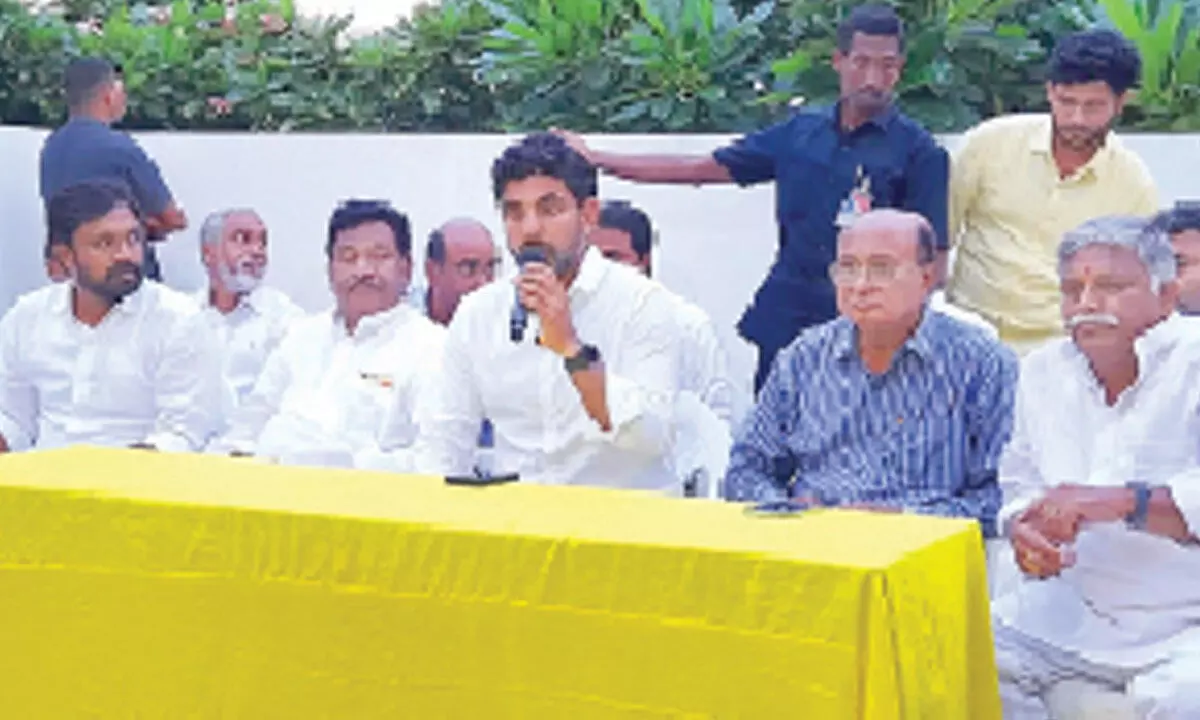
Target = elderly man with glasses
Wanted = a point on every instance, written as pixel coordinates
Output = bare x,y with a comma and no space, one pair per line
460,257
1102,494
891,406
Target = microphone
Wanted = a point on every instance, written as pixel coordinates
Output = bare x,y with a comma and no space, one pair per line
520,316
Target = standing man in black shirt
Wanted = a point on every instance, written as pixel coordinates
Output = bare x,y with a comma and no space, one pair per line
828,165
87,148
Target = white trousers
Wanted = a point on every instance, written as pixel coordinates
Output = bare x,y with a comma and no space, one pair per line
1041,682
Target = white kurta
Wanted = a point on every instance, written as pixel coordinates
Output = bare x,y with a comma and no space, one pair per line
330,398
149,372
1132,599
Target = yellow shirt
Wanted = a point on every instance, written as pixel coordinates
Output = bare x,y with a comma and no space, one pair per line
1009,208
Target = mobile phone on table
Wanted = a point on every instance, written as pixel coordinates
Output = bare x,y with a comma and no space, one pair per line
778,508
482,480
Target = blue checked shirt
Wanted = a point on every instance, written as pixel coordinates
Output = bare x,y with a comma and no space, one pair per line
924,437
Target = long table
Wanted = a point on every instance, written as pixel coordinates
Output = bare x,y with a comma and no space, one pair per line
140,584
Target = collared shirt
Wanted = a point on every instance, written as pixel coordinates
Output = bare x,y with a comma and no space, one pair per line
349,398
248,333
147,373
1010,208
85,149
925,436
815,166
1129,592
542,430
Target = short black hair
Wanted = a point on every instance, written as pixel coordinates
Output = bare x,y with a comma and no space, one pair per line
623,215
1095,56
548,155
435,249
353,213
871,19
86,76
927,249
1183,217
81,203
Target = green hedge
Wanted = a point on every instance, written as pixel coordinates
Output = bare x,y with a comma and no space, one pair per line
593,65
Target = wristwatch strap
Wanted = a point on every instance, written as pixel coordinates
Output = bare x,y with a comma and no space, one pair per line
1141,505
582,360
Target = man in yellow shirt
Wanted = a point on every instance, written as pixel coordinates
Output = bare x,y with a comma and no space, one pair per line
1020,182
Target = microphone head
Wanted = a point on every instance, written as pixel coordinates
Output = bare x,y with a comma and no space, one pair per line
533,253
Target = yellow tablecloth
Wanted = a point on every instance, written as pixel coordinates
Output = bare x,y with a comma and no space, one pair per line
151,585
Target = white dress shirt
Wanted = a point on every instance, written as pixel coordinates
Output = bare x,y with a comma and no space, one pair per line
248,333
1130,593
331,398
149,372
542,430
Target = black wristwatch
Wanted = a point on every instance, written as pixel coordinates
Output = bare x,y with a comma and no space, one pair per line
587,356
1141,505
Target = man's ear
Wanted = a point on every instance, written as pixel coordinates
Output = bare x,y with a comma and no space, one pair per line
62,255
589,210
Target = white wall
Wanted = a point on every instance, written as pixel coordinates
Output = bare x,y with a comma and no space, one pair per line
716,242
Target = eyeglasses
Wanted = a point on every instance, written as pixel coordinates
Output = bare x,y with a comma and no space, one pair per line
469,268
847,272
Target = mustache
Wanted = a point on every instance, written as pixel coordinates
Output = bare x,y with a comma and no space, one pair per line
369,281
121,268
1092,319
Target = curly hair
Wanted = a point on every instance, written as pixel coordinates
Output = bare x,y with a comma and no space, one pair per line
547,155
1095,56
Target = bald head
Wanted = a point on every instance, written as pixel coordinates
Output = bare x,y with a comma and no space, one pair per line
900,225
460,257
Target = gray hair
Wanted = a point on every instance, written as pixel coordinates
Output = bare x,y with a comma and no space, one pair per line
214,224
1146,238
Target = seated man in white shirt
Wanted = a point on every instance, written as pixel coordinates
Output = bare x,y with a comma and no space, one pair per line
584,394
248,319
105,358
1102,494
704,408
341,388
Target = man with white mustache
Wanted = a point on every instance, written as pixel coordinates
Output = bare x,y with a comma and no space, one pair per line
1102,494
249,319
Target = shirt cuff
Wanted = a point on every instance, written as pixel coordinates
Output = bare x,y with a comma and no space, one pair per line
169,442
1008,513
630,404
14,436
1185,491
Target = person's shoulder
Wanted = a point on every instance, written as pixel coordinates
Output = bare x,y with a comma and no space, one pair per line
278,302
1017,127
968,343
816,342
36,302
484,306
1129,163
168,301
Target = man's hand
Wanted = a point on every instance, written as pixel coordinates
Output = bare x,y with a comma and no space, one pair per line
1037,555
576,143
1060,515
543,293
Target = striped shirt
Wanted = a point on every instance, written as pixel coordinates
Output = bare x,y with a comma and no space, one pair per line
925,436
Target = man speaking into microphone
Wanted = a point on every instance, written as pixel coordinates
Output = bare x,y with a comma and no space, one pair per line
574,362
